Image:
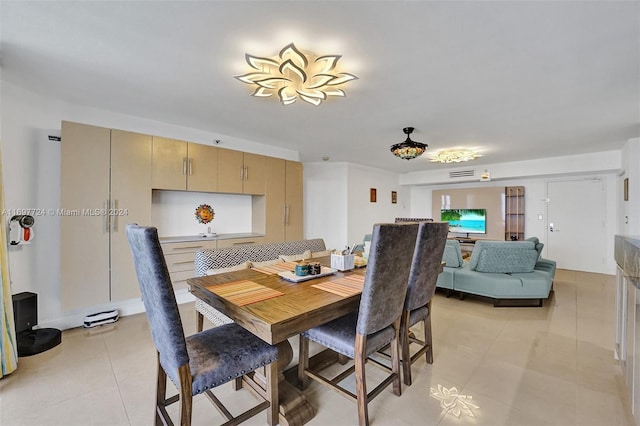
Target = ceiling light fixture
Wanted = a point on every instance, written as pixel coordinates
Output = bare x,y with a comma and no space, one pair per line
408,149
454,156
293,74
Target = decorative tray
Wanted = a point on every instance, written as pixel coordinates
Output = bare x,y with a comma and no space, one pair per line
291,276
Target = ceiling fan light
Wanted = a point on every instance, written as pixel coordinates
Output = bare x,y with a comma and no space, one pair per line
408,149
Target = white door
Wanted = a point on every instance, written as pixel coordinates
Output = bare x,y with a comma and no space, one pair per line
576,215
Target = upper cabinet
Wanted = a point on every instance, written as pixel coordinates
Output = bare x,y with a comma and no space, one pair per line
240,172
180,165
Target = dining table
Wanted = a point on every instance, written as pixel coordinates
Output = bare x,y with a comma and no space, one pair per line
275,304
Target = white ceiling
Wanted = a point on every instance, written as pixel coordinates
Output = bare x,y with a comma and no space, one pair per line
514,79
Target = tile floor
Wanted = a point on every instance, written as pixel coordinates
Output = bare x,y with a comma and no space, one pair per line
495,366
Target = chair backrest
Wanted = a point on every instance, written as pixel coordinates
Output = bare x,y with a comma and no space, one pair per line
426,265
386,279
158,297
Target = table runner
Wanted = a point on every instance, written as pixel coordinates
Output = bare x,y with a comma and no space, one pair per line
275,268
244,292
344,286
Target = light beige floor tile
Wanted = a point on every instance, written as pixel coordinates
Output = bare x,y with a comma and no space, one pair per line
521,366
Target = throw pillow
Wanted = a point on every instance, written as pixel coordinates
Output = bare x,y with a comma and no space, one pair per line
264,263
295,257
245,265
323,253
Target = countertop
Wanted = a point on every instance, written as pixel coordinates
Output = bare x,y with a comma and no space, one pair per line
627,255
187,238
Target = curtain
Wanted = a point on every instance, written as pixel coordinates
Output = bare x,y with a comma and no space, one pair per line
8,346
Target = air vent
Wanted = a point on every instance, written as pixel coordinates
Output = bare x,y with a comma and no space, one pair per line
462,173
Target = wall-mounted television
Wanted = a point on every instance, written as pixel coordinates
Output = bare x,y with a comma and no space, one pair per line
465,221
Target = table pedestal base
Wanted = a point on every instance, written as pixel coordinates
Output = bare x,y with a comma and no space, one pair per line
294,408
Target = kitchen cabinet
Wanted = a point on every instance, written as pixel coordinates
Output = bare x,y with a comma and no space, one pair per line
230,242
184,166
241,172
283,200
105,184
180,259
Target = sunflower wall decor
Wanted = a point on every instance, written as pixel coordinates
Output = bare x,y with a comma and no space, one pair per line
204,213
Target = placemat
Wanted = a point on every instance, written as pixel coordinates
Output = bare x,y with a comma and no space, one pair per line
344,286
244,292
275,268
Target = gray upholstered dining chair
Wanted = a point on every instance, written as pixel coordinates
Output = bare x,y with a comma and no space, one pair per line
200,362
377,322
425,267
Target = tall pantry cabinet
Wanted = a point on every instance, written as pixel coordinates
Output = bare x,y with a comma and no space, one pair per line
105,184
283,201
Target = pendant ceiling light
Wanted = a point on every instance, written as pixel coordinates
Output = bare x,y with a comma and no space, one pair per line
408,149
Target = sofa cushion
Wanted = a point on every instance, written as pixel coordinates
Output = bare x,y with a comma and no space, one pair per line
245,265
266,263
323,253
295,257
503,256
452,256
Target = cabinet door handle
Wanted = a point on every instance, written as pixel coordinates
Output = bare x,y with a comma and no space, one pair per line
105,216
182,263
286,221
284,214
184,165
244,243
241,173
186,248
190,166
246,173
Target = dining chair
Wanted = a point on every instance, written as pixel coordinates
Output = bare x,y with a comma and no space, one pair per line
425,268
200,362
377,321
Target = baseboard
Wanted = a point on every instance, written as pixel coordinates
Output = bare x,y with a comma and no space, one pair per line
125,308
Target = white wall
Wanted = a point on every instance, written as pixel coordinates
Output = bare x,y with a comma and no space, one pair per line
173,213
629,216
31,177
362,213
337,206
536,208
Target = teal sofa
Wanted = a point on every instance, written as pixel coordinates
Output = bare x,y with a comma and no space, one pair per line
504,271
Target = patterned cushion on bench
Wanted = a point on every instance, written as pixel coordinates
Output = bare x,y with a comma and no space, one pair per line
231,256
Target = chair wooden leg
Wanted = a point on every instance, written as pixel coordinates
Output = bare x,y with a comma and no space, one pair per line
186,395
361,381
395,359
404,345
428,338
199,321
303,362
161,394
273,416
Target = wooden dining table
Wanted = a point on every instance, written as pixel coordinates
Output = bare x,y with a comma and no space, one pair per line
292,307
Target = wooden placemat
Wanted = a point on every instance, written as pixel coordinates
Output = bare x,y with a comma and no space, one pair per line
344,286
244,292
275,268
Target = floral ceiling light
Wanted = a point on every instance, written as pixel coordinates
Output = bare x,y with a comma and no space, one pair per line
295,75
454,156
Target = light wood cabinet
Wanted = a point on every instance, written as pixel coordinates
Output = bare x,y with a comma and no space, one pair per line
241,172
514,213
231,242
283,201
105,183
184,166
180,258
